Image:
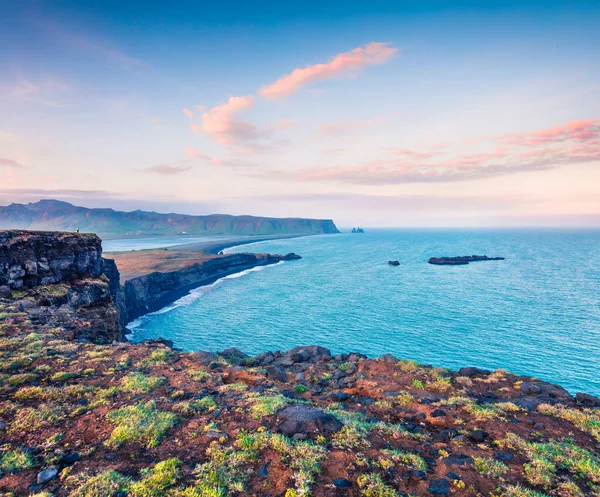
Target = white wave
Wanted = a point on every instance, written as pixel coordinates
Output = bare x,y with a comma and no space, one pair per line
194,295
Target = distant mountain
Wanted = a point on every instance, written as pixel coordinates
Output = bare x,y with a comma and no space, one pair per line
108,223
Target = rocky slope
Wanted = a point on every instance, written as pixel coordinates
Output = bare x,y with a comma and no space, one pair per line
108,223
81,419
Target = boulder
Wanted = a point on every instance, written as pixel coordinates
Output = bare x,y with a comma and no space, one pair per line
45,476
275,373
314,353
389,358
203,357
587,400
300,418
471,372
441,486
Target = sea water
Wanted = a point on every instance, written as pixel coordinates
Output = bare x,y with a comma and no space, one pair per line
535,313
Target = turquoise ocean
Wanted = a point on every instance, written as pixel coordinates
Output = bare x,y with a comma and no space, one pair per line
535,313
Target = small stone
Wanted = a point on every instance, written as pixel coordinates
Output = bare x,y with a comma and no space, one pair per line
70,459
3,425
299,436
264,470
478,435
438,413
300,377
46,475
453,476
501,456
342,483
539,426
440,486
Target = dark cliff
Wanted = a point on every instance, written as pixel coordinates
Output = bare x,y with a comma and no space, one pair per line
56,215
61,279
153,291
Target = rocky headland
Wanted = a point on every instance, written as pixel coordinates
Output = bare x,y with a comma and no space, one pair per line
83,419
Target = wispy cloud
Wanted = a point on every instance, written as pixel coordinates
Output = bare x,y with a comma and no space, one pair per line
45,91
10,163
344,64
576,142
167,170
188,113
79,41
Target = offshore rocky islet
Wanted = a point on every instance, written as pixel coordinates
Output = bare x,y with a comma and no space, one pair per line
144,419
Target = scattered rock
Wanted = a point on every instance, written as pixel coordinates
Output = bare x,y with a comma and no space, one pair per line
275,373
458,460
587,400
342,483
45,476
388,358
478,435
502,456
301,418
471,372
440,486
438,413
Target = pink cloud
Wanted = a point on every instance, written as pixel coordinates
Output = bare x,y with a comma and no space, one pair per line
167,170
10,163
344,64
188,113
582,130
222,124
194,153
576,142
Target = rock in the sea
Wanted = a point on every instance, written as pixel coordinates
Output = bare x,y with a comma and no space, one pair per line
291,257
394,263
461,260
300,418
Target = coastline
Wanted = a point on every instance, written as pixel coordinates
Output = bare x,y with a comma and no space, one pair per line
171,296
214,247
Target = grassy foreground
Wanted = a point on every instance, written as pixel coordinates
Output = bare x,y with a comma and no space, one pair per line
144,420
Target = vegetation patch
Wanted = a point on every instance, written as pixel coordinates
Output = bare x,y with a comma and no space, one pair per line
142,423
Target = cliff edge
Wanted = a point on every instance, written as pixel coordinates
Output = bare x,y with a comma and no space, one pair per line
61,280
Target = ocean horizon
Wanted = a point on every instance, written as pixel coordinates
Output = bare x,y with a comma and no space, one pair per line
536,313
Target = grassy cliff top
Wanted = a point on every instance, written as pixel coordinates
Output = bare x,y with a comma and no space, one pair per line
141,262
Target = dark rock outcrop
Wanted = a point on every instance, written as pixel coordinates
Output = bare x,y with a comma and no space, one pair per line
62,280
394,263
461,260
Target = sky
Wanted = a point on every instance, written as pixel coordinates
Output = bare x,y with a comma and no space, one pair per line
422,113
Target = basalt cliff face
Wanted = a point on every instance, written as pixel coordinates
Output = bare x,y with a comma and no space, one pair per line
61,279
151,292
